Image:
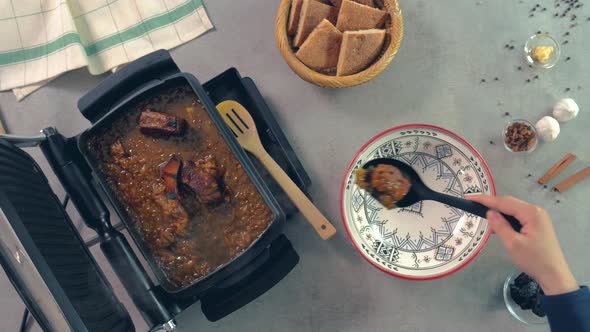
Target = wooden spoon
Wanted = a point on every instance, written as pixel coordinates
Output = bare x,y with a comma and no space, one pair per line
420,192
242,125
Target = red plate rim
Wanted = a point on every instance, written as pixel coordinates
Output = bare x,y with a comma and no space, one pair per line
378,136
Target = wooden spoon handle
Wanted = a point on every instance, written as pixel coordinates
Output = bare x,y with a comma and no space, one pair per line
321,225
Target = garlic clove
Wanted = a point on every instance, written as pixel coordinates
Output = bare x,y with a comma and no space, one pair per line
547,128
566,109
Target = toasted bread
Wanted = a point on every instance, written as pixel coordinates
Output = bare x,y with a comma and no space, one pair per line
312,13
369,3
294,14
359,49
320,50
355,16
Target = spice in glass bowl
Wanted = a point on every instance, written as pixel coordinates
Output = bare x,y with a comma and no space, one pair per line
542,50
520,136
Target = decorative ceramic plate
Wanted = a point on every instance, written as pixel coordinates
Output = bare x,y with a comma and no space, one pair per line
427,240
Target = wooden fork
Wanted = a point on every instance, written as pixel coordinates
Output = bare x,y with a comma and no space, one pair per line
242,125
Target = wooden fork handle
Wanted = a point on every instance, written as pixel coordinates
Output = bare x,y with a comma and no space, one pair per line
321,225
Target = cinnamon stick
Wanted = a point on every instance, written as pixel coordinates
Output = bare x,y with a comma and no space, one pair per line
572,180
557,168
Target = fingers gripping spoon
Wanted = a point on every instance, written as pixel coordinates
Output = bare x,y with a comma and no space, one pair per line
420,192
242,125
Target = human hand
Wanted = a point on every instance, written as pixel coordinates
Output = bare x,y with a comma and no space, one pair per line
535,250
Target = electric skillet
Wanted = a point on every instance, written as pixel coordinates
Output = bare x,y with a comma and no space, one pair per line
46,258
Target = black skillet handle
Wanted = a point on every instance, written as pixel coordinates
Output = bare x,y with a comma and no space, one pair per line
472,207
220,302
59,153
113,89
134,278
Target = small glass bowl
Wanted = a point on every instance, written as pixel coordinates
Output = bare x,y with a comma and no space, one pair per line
526,123
525,316
540,40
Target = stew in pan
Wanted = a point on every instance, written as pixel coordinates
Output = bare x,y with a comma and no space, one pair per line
187,195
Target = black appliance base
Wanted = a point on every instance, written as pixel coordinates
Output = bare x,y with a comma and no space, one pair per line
228,293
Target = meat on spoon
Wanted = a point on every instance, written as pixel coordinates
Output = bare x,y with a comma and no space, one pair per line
385,182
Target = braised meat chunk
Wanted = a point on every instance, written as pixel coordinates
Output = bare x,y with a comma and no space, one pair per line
160,124
203,178
169,173
385,182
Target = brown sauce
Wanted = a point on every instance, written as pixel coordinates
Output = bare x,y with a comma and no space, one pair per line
187,238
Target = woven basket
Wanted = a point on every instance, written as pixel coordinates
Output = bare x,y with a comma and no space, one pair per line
395,33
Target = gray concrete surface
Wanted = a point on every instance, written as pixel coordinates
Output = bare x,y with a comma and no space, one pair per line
447,49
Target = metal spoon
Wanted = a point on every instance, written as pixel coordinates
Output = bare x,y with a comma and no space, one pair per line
420,192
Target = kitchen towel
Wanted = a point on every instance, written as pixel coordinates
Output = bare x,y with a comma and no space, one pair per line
41,39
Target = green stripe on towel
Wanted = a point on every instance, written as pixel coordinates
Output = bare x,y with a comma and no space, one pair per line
150,24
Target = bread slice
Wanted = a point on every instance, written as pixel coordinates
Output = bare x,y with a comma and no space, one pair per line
369,3
359,49
294,14
312,13
321,49
354,16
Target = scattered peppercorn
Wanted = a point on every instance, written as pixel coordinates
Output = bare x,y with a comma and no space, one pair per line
528,80
536,77
539,32
530,175
557,201
483,80
545,186
519,68
507,113
565,41
567,89
568,58
492,142
567,33
511,47
496,79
